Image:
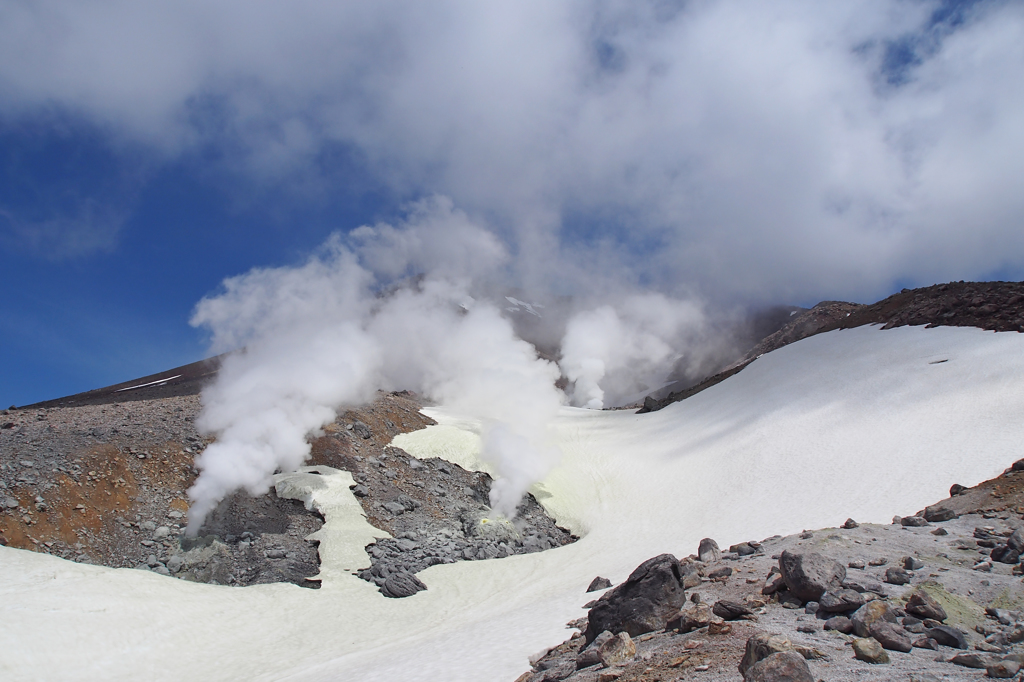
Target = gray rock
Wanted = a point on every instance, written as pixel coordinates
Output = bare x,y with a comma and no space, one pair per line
650,597
708,551
912,563
850,524
839,624
401,585
761,646
938,513
808,576
972,660
1003,669
147,526
730,610
394,507
894,575
913,521
161,532
784,666
840,601
720,572
922,605
692,616
599,583
891,636
174,563
868,649
618,650
360,490
589,655
10,503
947,636
870,613
856,563
691,576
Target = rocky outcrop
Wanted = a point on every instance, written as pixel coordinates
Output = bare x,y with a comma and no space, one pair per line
650,597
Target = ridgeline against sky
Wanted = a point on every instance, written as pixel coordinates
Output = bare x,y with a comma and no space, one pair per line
726,152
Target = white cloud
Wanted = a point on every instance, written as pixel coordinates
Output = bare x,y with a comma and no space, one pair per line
747,149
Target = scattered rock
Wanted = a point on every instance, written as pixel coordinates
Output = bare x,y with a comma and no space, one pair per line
1003,669
869,650
895,575
850,524
720,573
599,583
947,636
730,610
402,585
911,563
922,605
784,666
617,650
972,660
708,551
913,521
761,646
839,624
589,655
840,601
938,513
808,576
691,617
891,636
870,613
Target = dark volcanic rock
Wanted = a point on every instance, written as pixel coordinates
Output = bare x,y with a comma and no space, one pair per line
947,636
730,610
808,576
402,585
650,597
894,575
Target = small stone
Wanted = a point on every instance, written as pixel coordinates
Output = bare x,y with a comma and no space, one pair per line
869,650
730,610
761,646
839,624
880,561
717,628
10,503
720,573
911,563
850,524
922,605
857,563
947,636
891,636
926,643
403,584
896,576
913,521
940,531
708,551
1003,669
691,617
161,533
599,583
609,675
972,660
841,601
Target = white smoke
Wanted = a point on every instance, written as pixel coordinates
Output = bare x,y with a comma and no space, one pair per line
327,333
617,353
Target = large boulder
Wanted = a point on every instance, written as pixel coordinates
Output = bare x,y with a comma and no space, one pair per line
869,650
761,646
947,636
840,601
650,597
785,666
891,636
808,576
864,617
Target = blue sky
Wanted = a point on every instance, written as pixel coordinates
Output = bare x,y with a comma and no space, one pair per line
741,154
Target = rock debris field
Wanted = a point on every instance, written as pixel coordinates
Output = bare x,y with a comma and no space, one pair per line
936,595
106,484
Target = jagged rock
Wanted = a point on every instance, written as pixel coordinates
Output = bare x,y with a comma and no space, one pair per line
708,551
773,583
730,610
870,613
784,666
691,576
617,650
599,583
646,601
691,617
869,650
589,656
894,575
938,513
840,601
1003,669
761,646
808,576
401,585
891,636
839,624
922,605
947,636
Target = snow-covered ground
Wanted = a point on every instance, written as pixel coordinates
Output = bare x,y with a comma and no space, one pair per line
862,423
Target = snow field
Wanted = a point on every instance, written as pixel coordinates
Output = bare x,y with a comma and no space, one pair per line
854,423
